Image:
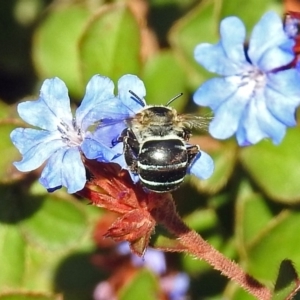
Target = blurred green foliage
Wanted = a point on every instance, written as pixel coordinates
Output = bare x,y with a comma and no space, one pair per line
248,209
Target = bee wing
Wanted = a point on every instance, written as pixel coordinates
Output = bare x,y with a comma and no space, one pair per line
108,130
198,122
112,121
111,113
109,118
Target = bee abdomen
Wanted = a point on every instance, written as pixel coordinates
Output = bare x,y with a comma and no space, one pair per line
162,164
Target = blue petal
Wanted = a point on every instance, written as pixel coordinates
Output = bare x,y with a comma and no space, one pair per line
269,33
213,58
108,134
133,83
259,123
134,177
52,106
36,146
228,115
276,57
227,57
282,94
64,168
241,136
180,286
120,160
153,260
249,131
99,103
202,166
214,92
268,123
95,149
233,33
291,24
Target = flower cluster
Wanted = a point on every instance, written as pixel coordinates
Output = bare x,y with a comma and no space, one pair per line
255,98
172,285
65,142
258,92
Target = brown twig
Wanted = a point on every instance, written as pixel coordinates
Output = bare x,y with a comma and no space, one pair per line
197,246
294,291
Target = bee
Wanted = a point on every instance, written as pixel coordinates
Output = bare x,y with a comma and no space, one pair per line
156,145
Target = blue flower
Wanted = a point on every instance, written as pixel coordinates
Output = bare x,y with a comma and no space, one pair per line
202,166
256,98
176,285
153,259
62,138
64,141
291,24
117,111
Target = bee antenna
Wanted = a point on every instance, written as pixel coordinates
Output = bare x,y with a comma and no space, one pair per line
136,97
173,99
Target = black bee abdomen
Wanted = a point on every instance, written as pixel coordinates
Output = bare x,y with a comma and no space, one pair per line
162,164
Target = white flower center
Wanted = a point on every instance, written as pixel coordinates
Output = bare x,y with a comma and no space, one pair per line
70,134
258,77
251,81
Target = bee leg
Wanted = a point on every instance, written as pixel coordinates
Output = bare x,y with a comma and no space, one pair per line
123,135
130,157
185,134
131,149
192,151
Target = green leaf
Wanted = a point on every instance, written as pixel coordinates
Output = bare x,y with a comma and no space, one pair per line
202,219
234,292
201,25
78,274
164,79
6,111
279,240
224,155
264,238
110,44
287,280
252,216
276,169
15,38
40,268
144,286
57,225
12,257
244,10
163,239
180,3
8,154
36,234
55,47
27,296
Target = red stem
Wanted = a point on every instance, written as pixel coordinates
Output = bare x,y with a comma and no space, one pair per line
294,292
165,214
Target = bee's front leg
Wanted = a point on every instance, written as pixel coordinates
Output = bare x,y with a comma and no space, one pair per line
192,151
130,148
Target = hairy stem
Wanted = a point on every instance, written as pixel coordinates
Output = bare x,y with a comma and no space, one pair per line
165,213
294,292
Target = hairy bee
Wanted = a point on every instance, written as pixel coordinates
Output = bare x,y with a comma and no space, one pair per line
156,146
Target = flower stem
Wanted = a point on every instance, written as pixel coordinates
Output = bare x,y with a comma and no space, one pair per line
194,244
